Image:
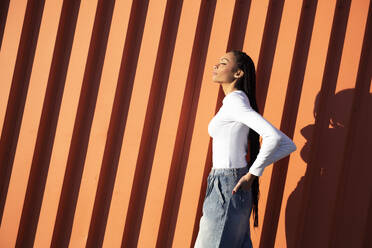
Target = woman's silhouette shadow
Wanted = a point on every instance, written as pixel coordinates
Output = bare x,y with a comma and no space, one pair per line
321,218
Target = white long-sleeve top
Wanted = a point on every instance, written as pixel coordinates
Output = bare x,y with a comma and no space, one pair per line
229,129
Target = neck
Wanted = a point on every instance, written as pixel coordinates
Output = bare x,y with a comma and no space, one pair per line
228,87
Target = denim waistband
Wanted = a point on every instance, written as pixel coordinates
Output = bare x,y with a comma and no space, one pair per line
228,171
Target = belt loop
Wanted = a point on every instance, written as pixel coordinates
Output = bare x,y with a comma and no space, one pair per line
235,172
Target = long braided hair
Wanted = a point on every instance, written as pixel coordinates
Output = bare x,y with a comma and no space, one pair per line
247,83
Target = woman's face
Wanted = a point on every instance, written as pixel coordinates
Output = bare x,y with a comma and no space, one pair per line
224,70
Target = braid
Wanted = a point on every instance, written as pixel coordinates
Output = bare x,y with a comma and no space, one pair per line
247,83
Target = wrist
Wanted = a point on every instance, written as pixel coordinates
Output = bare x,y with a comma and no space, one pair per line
250,175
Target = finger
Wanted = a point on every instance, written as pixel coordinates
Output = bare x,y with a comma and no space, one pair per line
236,188
238,185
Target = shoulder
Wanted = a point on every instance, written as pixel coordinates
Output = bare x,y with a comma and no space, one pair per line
236,98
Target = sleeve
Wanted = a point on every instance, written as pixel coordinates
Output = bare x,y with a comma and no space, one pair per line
275,144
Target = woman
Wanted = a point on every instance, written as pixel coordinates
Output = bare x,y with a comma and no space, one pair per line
232,184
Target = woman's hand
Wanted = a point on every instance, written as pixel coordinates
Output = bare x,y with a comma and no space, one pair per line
245,182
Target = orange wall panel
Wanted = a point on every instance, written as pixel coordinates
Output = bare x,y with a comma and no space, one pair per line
106,144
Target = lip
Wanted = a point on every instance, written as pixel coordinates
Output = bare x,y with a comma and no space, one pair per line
214,73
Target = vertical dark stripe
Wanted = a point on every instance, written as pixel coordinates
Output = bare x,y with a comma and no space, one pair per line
238,25
322,118
18,93
48,123
288,122
4,7
152,122
186,123
356,157
83,123
117,123
267,51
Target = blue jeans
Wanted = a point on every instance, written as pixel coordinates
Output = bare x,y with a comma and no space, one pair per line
225,219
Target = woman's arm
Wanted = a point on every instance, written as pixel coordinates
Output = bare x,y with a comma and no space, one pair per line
275,144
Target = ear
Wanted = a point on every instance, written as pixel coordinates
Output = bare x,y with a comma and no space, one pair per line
239,73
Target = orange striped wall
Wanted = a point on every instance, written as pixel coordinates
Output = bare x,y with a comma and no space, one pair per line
104,107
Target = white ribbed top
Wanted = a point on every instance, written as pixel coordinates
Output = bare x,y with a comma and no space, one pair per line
229,129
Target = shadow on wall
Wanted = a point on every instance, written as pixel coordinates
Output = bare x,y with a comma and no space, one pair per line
320,222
